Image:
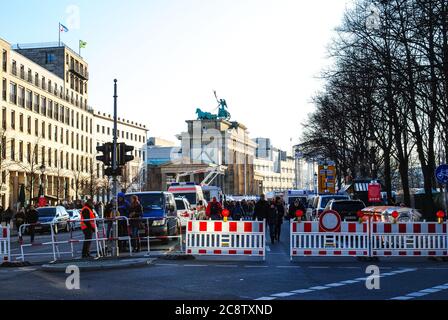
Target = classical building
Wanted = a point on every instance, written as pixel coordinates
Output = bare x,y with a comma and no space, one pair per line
46,126
129,132
207,144
274,167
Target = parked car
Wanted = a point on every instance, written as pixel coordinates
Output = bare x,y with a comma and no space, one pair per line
184,211
347,209
384,214
75,218
160,209
317,204
57,215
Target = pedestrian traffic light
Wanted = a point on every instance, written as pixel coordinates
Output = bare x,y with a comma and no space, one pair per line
106,157
110,172
123,157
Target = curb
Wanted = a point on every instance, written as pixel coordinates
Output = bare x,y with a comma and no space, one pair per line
101,265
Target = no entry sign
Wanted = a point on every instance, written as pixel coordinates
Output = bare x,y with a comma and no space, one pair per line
330,221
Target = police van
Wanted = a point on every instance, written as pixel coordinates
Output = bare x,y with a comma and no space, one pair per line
189,190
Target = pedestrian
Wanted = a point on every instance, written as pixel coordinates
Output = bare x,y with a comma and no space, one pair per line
108,215
296,206
214,210
281,211
123,211
261,209
200,211
237,212
272,220
88,227
7,216
32,217
19,218
135,216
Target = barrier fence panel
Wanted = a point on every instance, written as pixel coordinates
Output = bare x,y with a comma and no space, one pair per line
308,239
219,238
5,243
426,239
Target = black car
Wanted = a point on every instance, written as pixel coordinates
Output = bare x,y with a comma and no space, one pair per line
348,209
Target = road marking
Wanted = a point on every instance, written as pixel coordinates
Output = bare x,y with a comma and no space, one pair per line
332,285
288,267
167,264
268,249
265,299
225,265
319,267
349,267
422,293
195,265
256,266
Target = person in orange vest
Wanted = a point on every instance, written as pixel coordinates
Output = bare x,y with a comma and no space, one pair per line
87,227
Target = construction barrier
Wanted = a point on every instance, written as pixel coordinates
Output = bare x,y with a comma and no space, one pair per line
426,239
148,237
5,243
369,239
219,238
308,239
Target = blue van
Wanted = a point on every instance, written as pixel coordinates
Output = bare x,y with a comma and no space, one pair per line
160,208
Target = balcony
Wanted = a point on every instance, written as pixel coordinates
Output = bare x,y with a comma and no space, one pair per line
83,74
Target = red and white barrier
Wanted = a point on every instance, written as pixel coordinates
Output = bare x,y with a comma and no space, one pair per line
5,244
425,239
347,239
219,238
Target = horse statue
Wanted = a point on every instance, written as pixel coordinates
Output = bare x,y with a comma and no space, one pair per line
205,115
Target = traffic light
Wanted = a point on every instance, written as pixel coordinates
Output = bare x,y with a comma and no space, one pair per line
106,157
111,173
123,157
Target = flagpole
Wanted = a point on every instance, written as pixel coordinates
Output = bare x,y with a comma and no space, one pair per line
59,34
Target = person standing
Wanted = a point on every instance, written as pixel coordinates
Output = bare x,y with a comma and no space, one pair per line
123,210
135,216
214,210
88,227
108,215
280,206
32,217
7,216
19,218
237,212
296,206
271,220
261,209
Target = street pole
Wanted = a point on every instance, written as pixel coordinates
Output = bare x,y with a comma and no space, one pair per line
114,164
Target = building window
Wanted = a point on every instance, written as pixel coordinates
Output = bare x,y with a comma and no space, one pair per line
13,93
3,146
55,158
29,99
4,118
29,125
44,129
36,79
4,89
50,58
5,60
49,157
36,103
50,132
21,122
56,111
13,120
21,97
98,128
28,152
36,127
50,109
21,151
55,134
13,149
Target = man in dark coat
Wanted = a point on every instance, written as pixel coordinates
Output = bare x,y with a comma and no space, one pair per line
261,210
32,217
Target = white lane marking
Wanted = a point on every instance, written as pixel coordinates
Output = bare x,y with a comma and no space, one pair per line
332,285
318,288
225,265
256,266
283,294
423,293
319,267
265,299
167,265
195,265
288,267
268,249
349,267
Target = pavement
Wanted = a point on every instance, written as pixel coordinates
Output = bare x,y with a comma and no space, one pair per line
240,279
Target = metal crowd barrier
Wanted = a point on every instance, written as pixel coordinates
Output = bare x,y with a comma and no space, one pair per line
5,243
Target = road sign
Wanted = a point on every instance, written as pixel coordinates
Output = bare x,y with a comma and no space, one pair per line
330,221
374,192
327,178
442,174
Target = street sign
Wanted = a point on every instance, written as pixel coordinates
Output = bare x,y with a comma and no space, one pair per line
327,178
330,221
374,192
442,174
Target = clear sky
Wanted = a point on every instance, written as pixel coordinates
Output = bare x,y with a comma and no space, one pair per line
262,56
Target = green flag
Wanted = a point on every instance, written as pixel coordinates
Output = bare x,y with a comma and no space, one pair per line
82,44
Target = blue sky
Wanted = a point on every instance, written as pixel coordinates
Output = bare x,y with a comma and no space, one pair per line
262,56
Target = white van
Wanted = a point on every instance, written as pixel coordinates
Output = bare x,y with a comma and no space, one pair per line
189,190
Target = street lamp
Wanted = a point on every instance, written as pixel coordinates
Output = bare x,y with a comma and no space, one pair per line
371,142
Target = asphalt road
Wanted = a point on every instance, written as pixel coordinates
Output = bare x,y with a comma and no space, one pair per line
241,279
